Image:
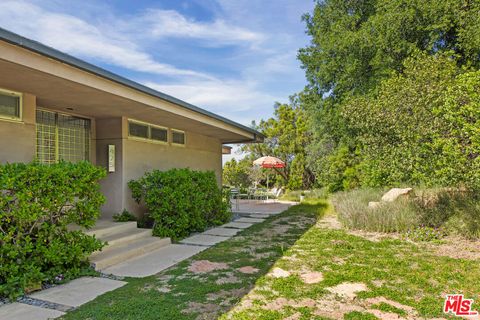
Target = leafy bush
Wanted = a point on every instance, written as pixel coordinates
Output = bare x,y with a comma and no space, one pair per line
124,216
420,126
425,234
181,201
354,213
37,202
454,211
145,222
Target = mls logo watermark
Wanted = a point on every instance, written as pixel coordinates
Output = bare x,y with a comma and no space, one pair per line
458,305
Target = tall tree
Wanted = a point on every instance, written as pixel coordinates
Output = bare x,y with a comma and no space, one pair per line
355,44
286,138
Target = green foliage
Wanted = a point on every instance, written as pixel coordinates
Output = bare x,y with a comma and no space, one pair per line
428,214
286,138
37,202
181,201
360,68
421,126
238,173
124,216
145,222
314,194
424,234
354,213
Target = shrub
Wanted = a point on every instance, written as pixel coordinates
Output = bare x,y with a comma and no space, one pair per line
124,216
425,234
456,210
181,201
145,222
428,213
37,202
354,213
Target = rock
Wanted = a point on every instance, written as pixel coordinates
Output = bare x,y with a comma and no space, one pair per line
394,193
374,204
279,273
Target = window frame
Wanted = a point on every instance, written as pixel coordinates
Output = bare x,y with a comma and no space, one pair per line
184,138
91,132
149,132
6,92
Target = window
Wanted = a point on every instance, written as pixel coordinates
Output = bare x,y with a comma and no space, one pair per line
147,131
178,137
62,137
159,134
10,105
137,130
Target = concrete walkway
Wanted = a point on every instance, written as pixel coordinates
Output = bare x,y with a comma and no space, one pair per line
54,302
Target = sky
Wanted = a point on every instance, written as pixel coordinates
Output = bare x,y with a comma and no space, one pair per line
235,58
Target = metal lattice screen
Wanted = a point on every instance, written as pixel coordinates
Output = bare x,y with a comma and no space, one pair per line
62,137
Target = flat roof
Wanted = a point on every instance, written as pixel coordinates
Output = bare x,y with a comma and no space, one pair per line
55,54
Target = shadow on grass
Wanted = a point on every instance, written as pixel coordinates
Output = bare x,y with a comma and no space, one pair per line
177,293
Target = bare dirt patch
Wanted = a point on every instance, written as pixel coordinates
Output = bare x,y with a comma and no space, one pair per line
248,270
204,266
311,277
228,278
457,248
330,222
348,290
374,236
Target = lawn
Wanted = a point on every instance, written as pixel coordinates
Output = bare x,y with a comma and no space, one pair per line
297,265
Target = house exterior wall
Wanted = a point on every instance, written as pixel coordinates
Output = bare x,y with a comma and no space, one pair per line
134,157
18,137
110,132
199,153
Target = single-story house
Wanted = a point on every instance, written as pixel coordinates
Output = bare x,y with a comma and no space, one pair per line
54,106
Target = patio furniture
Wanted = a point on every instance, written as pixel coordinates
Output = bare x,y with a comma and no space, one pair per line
235,198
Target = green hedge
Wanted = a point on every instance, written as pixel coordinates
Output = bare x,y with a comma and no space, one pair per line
37,202
181,201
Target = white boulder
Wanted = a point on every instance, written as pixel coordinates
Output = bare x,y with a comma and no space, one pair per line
394,193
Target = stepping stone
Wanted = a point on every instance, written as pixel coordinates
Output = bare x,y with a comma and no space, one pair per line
21,311
225,232
259,215
203,240
78,291
250,220
155,261
238,225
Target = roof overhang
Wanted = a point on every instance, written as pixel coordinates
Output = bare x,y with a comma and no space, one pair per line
62,82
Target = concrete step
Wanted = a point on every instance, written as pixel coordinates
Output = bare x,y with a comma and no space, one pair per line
112,255
104,228
119,238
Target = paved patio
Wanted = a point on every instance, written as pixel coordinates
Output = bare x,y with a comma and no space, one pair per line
260,206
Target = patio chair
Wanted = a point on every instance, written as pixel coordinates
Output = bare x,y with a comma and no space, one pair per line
234,198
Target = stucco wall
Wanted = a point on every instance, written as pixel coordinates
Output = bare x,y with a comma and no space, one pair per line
134,157
18,137
199,153
109,131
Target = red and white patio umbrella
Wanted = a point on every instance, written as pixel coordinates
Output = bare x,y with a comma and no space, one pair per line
269,162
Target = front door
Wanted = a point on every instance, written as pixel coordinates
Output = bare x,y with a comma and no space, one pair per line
62,137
